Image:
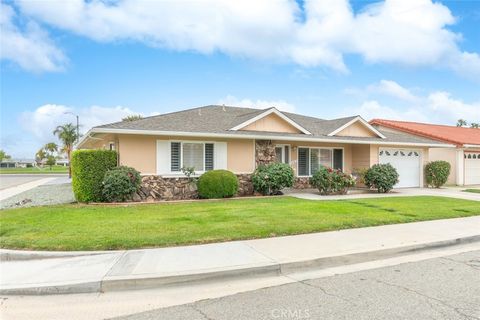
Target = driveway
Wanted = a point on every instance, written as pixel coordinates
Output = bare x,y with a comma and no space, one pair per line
19,190
451,192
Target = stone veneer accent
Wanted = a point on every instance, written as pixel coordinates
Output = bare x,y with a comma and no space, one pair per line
302,183
264,152
156,188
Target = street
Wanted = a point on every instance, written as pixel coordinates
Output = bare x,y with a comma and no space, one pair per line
440,288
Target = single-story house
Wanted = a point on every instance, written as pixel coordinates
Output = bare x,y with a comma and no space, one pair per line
464,158
239,139
18,163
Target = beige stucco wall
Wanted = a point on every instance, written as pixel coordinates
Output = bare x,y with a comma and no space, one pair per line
271,123
356,129
140,152
449,155
361,156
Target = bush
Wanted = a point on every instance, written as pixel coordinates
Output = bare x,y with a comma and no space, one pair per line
217,184
120,184
270,179
88,169
437,172
381,177
329,181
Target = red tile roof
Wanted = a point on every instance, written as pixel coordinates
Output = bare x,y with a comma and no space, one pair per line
449,134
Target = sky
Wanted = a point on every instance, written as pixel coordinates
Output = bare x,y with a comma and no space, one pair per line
413,60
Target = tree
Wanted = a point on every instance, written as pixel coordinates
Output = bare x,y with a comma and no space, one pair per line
474,125
4,155
68,135
133,117
50,161
47,152
461,123
40,155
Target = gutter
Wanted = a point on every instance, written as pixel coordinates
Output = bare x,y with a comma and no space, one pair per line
471,145
253,136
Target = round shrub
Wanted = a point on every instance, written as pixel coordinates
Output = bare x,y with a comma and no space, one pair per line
437,172
88,169
270,179
120,184
217,184
330,181
381,177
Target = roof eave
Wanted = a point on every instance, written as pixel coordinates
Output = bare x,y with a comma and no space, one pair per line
255,136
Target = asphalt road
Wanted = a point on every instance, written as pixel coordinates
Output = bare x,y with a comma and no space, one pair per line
13,180
440,288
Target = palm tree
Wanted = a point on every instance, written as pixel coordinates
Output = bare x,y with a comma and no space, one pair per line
68,135
461,123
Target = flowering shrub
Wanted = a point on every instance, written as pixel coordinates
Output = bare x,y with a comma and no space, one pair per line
270,179
329,181
381,177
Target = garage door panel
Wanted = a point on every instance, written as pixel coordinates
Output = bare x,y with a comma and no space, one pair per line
472,168
406,162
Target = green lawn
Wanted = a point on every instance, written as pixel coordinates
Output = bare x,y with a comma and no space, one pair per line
472,190
46,170
84,227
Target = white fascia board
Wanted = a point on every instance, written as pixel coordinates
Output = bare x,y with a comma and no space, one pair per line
471,145
260,137
361,120
266,113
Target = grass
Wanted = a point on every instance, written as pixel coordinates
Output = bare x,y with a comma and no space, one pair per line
472,190
102,227
34,170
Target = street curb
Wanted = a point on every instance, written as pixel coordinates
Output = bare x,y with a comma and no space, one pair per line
108,284
19,255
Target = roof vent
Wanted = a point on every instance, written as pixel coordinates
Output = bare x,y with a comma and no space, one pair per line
223,107
200,111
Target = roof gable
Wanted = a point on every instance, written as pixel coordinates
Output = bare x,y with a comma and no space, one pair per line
357,127
271,120
449,134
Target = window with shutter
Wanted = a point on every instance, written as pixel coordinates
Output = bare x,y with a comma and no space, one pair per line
192,156
209,156
303,161
175,156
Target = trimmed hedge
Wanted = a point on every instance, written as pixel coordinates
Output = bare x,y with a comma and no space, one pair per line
270,179
88,170
437,172
119,184
217,184
381,177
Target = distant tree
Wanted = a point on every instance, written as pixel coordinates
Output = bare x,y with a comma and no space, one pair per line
68,135
51,148
47,152
40,155
474,125
461,123
51,161
133,117
4,155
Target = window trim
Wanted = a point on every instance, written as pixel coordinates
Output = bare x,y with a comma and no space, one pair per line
309,153
199,172
283,145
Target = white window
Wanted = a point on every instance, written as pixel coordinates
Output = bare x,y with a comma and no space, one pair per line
282,153
310,160
197,155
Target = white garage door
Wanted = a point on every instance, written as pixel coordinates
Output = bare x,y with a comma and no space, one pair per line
407,163
472,167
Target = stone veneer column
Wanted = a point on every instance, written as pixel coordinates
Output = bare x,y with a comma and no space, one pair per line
264,152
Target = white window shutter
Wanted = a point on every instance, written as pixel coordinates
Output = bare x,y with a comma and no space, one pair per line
220,150
163,157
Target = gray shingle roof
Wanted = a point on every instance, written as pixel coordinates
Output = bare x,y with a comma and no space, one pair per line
219,119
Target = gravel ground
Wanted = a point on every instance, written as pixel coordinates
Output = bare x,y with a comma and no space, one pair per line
40,196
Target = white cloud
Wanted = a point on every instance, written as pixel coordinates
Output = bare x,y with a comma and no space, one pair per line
30,48
257,104
434,107
410,32
42,121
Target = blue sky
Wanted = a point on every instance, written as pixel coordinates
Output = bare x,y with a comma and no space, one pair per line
410,60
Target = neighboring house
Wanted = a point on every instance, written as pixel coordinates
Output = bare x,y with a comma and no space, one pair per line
18,163
239,139
464,159
62,162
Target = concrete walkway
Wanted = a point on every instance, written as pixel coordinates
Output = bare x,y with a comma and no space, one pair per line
451,192
152,268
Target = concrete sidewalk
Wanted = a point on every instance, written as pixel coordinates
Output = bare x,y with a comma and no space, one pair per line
17,189
450,192
152,268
